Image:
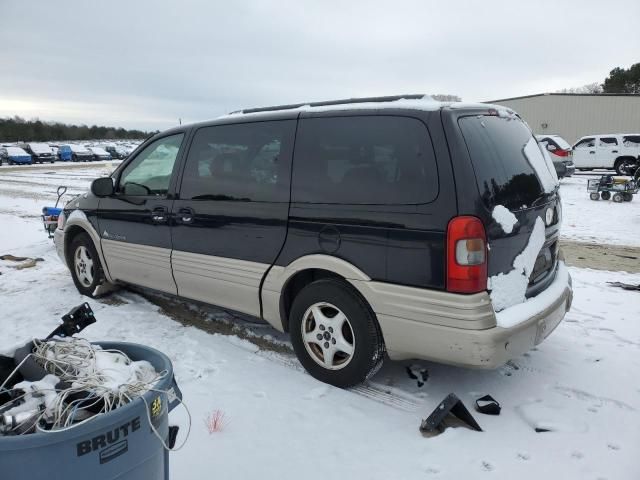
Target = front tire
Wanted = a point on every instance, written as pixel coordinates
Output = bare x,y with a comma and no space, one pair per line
84,264
606,195
335,334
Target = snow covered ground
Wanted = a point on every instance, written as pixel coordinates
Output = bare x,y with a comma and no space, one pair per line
581,383
599,221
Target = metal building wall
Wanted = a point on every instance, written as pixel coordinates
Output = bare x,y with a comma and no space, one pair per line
573,116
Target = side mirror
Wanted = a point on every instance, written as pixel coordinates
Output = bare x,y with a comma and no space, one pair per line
102,187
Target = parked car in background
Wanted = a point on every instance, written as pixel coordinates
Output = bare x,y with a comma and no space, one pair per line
15,155
115,152
80,153
362,232
560,153
99,153
611,151
41,152
64,153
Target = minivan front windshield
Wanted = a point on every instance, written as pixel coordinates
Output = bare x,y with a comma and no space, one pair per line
510,168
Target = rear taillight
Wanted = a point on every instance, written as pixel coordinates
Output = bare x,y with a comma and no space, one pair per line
466,255
561,153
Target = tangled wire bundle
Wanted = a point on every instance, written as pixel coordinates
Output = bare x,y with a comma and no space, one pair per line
83,380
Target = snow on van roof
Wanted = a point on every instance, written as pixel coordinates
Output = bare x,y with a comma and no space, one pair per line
99,150
15,151
78,148
40,147
413,102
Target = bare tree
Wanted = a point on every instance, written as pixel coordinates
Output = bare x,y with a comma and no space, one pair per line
443,97
594,87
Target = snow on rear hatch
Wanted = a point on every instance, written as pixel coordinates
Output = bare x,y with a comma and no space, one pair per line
510,288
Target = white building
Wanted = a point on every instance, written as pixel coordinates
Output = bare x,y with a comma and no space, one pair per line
574,115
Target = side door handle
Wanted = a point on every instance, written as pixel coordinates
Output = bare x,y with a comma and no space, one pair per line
185,215
592,152
614,151
159,215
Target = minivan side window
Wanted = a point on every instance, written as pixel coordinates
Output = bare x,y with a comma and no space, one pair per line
364,160
240,162
608,142
149,173
586,143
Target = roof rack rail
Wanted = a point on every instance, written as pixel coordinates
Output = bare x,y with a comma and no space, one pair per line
392,98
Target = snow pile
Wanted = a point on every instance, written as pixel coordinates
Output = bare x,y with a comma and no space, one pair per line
510,288
542,164
37,394
504,217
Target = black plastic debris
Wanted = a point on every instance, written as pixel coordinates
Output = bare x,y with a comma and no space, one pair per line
626,286
75,321
420,375
488,405
451,412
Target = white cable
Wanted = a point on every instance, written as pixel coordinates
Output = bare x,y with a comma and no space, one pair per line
75,362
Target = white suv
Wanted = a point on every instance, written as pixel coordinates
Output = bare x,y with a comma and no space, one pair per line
612,151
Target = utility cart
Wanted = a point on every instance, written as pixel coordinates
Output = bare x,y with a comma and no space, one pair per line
618,189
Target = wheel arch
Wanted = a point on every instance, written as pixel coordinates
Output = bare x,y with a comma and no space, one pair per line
78,223
282,284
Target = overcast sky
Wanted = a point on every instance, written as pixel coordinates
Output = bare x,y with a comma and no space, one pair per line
146,63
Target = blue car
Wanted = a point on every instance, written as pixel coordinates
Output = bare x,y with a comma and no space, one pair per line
64,153
13,155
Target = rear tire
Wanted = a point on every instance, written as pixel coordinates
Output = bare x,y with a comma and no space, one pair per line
621,167
335,333
84,263
605,195
627,196
617,197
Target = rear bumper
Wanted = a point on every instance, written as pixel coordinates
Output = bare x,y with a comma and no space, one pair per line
513,331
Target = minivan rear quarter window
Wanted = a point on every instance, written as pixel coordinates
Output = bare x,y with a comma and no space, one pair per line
364,160
503,172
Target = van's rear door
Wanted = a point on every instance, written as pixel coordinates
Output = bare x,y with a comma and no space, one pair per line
511,171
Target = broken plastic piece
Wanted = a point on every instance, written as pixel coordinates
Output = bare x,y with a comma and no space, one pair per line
440,418
74,322
626,286
173,435
488,405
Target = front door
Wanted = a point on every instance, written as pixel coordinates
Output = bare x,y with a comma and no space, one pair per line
134,222
607,151
231,213
584,153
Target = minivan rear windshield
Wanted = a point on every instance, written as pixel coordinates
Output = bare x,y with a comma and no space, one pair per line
503,152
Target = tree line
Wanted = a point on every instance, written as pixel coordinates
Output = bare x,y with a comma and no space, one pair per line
620,80
17,129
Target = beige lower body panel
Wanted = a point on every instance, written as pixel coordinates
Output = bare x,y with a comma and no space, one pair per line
487,348
140,265
225,282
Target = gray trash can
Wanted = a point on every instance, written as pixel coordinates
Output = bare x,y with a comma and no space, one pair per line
120,444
